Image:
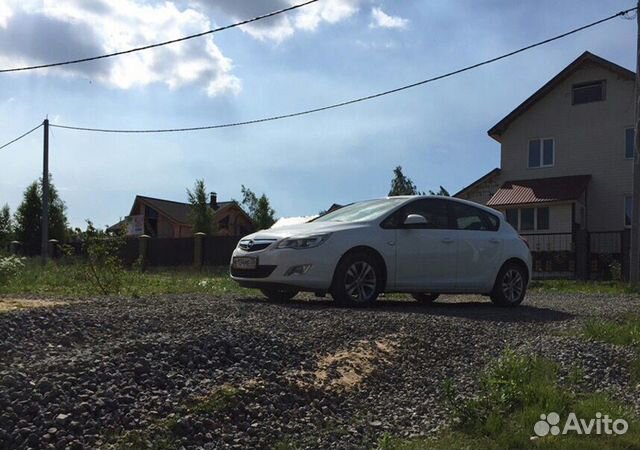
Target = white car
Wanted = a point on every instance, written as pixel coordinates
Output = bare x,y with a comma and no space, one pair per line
422,245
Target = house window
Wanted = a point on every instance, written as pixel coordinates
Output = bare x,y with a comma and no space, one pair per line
528,219
542,218
627,210
512,217
593,91
541,152
629,142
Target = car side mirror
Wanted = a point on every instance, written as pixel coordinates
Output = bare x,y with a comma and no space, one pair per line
415,220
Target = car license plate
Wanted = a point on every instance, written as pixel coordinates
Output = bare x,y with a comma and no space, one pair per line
244,262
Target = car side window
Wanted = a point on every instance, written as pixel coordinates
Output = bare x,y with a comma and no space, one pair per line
434,211
466,217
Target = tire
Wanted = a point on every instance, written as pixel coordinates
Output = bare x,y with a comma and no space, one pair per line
425,299
357,280
278,295
510,286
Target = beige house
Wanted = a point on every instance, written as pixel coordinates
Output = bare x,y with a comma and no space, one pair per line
566,153
170,219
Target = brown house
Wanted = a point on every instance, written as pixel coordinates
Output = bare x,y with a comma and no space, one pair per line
166,218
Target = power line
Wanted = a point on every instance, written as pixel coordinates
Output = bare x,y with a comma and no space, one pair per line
350,102
21,136
160,44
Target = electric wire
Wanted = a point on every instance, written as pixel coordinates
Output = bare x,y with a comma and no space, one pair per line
20,137
159,44
352,101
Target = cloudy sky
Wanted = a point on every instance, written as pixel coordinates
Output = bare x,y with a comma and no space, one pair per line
327,52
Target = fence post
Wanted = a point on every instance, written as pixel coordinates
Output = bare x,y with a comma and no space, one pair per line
198,249
581,241
14,247
52,248
625,248
143,249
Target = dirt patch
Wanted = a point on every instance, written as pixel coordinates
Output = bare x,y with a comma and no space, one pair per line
12,304
345,369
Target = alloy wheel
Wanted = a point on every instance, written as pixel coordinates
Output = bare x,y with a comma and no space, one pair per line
360,281
512,285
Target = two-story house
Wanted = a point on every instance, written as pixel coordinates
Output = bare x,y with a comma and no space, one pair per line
566,153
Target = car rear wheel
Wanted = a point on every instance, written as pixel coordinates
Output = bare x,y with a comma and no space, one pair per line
510,286
425,299
357,280
278,295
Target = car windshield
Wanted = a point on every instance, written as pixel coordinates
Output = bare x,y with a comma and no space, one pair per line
362,211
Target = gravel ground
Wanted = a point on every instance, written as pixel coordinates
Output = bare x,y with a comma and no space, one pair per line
237,373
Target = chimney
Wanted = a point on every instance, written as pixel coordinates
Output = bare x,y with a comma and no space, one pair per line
213,202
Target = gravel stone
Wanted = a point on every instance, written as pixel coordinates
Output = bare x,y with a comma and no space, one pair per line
80,375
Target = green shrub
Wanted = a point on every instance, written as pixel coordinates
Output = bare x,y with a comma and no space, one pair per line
104,269
9,267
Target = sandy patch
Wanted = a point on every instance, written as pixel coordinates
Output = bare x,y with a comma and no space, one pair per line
12,304
345,369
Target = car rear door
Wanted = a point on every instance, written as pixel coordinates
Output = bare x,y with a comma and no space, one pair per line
479,246
425,254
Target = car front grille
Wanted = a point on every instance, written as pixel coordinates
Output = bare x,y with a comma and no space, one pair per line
253,245
258,272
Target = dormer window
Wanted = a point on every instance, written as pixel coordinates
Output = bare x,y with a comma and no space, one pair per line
541,153
593,91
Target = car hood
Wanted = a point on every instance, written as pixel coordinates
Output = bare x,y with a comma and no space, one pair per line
303,229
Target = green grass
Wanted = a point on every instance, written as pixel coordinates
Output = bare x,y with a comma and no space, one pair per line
70,280
623,332
582,287
513,393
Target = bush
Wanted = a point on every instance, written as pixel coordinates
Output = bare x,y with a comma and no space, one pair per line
10,266
104,269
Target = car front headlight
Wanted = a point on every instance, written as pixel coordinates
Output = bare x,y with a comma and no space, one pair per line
302,242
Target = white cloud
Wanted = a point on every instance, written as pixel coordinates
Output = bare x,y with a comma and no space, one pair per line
48,31
380,19
282,27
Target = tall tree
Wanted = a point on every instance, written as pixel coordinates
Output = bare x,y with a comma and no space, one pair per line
201,214
6,227
258,208
402,185
443,192
28,216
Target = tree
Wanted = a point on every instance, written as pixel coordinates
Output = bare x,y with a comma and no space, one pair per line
201,214
258,208
28,216
402,185
443,192
6,227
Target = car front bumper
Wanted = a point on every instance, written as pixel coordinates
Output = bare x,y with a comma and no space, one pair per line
273,264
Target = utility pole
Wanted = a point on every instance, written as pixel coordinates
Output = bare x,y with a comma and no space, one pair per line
634,266
45,194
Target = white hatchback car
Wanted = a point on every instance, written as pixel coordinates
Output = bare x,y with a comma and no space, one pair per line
422,245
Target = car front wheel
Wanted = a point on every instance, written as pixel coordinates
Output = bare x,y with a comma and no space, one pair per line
510,286
357,280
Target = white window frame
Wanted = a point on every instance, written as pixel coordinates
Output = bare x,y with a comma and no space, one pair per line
518,226
624,210
542,164
625,142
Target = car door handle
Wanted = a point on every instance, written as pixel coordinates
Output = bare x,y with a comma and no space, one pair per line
494,240
392,243
447,240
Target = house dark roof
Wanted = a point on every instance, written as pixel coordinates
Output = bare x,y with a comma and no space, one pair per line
499,128
176,211
484,177
540,190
